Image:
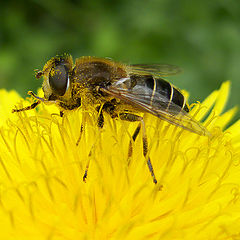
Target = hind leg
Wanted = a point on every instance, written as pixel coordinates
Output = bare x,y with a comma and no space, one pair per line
132,118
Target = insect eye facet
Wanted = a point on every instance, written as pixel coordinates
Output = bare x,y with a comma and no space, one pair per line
58,79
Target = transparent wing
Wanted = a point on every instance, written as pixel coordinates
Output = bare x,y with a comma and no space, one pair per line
158,70
141,98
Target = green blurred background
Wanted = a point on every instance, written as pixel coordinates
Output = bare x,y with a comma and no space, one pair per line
202,37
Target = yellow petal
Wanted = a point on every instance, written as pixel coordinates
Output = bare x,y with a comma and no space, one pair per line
43,195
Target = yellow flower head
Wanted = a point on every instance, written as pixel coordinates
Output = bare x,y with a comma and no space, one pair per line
43,195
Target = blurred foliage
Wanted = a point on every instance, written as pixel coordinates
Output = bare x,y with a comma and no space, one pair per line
202,37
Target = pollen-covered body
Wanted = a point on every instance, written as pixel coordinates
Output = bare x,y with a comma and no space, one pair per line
90,75
85,78
115,88
122,91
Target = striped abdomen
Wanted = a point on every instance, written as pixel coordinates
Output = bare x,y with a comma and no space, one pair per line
162,92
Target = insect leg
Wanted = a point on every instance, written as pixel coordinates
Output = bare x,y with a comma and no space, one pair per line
80,135
100,120
32,106
108,107
100,123
130,146
132,118
87,165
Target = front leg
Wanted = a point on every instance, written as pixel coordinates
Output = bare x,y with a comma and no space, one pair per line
32,106
35,104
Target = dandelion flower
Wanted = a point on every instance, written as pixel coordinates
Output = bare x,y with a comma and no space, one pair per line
43,195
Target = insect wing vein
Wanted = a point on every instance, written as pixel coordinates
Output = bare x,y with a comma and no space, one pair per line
158,70
157,106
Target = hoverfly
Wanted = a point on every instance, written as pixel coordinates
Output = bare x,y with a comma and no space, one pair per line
120,90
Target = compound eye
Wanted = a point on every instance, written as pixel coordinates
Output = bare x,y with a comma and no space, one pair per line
58,79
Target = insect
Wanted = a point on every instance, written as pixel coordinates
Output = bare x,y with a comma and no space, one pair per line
120,90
